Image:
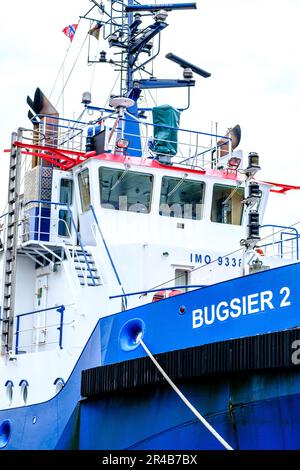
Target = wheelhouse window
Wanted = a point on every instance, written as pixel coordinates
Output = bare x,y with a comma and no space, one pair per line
227,207
125,190
181,198
65,197
84,189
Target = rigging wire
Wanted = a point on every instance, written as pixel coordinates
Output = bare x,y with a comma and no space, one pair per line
62,65
216,259
71,71
60,69
155,102
112,89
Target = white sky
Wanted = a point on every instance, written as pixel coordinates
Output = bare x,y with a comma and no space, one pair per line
251,48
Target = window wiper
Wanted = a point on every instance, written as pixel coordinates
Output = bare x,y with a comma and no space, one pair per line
177,185
232,193
127,167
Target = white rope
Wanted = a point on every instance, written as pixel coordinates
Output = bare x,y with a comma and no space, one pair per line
185,400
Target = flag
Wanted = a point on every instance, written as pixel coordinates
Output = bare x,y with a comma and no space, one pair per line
70,31
95,30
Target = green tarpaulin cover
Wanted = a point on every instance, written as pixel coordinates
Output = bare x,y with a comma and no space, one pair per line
165,139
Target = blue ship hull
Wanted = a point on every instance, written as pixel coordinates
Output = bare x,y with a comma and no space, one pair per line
251,409
157,419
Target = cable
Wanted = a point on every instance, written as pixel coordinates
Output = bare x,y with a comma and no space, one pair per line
61,67
77,57
118,76
215,260
184,399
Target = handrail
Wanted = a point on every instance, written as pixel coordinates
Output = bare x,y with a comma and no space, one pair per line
158,290
63,204
280,226
59,308
208,134
282,240
108,254
42,201
81,246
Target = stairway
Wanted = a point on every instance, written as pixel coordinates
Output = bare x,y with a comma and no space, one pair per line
85,268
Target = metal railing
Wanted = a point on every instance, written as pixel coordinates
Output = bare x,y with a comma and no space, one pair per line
67,134
192,148
97,225
59,326
284,242
39,235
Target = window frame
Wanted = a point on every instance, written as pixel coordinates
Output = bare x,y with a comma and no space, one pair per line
80,192
62,211
232,188
72,190
202,202
105,205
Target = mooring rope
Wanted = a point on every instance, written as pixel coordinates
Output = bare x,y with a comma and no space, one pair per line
184,399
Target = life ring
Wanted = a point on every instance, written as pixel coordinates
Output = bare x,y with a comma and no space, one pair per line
260,251
164,294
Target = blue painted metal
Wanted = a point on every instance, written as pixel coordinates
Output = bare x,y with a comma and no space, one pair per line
51,428
191,131
265,405
60,309
8,382
156,419
132,126
162,6
59,379
74,227
190,286
164,83
137,46
17,335
282,240
40,223
23,381
108,253
166,329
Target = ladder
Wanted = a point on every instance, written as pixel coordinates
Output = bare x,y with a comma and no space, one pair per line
10,248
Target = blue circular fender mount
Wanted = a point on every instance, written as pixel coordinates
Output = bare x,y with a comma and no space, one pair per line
5,432
131,333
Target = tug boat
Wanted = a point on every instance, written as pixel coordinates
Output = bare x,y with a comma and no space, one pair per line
145,305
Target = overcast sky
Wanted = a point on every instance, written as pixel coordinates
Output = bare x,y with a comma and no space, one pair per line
251,48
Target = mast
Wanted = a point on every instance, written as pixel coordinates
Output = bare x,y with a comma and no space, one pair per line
134,38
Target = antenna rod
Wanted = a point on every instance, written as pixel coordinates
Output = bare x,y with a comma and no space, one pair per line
162,6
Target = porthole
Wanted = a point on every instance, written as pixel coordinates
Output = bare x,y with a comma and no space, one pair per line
9,391
24,390
59,384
